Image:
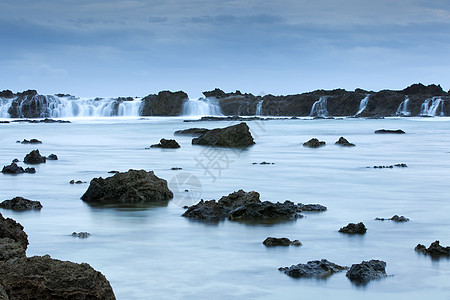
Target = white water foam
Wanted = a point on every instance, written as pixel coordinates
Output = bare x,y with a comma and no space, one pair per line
363,104
431,106
201,107
402,109
319,108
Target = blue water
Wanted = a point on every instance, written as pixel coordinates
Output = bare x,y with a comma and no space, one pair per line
154,253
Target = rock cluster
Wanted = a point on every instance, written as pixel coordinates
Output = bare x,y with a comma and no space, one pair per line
395,218
402,165
385,131
435,250
13,168
232,136
32,141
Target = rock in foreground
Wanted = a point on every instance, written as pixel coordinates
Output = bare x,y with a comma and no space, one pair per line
167,144
20,203
233,136
353,228
435,250
34,157
366,271
272,242
317,268
132,187
314,143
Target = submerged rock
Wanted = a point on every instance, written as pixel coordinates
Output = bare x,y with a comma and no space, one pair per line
266,211
343,142
134,186
395,218
353,228
82,235
366,271
312,207
52,157
314,143
384,131
402,165
272,241
34,157
317,268
263,163
192,131
233,136
168,144
20,203
435,250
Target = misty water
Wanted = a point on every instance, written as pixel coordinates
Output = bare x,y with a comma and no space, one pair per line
154,253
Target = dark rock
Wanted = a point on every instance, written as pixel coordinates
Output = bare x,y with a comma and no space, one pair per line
320,269
366,271
167,144
30,170
72,181
343,142
10,249
192,131
134,186
166,103
312,207
34,157
15,160
13,168
419,88
32,141
385,131
272,241
402,165
82,235
216,93
176,168
314,143
395,218
233,136
435,250
353,228
264,163
12,230
41,277
113,172
76,182
4,122
20,203
266,211
7,94
52,157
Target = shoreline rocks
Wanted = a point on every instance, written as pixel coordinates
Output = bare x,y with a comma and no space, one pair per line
314,143
20,203
273,242
353,228
232,136
319,269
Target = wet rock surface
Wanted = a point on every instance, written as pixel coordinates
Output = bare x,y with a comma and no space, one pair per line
388,131
353,228
435,250
20,203
134,186
232,136
366,271
272,242
343,142
192,131
314,143
395,218
320,269
167,144
34,157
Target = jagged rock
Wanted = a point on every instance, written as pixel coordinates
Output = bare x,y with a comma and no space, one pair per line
166,103
353,228
366,271
266,211
419,88
272,242
52,157
134,186
317,268
168,144
82,235
233,136
12,230
32,141
343,142
385,131
314,143
192,131
7,94
435,250
20,203
41,277
34,157
216,93
10,249
395,218
312,207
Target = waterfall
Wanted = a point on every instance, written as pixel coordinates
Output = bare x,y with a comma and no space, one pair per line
431,106
5,104
402,109
319,108
201,107
259,108
363,104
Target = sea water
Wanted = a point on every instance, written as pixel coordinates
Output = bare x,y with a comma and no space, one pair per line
155,253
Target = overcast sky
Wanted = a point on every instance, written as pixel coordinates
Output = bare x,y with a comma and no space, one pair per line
137,47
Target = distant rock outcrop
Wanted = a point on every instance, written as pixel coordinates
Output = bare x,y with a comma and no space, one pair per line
233,136
166,103
167,144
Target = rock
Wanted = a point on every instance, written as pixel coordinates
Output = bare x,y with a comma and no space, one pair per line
76,182
40,121
233,136
82,235
12,230
41,277
272,241
366,271
166,103
435,250
402,165
320,269
395,218
113,172
7,94
20,203
176,168
34,157
312,207
384,131
266,211
169,144
52,157
30,170
10,249
263,163
134,186
314,143
13,168
353,228
32,141
15,160
192,131
343,142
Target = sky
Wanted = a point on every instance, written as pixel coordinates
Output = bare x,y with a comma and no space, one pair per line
116,48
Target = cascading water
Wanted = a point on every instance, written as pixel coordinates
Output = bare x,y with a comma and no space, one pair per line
431,106
259,108
363,104
402,109
319,108
201,107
